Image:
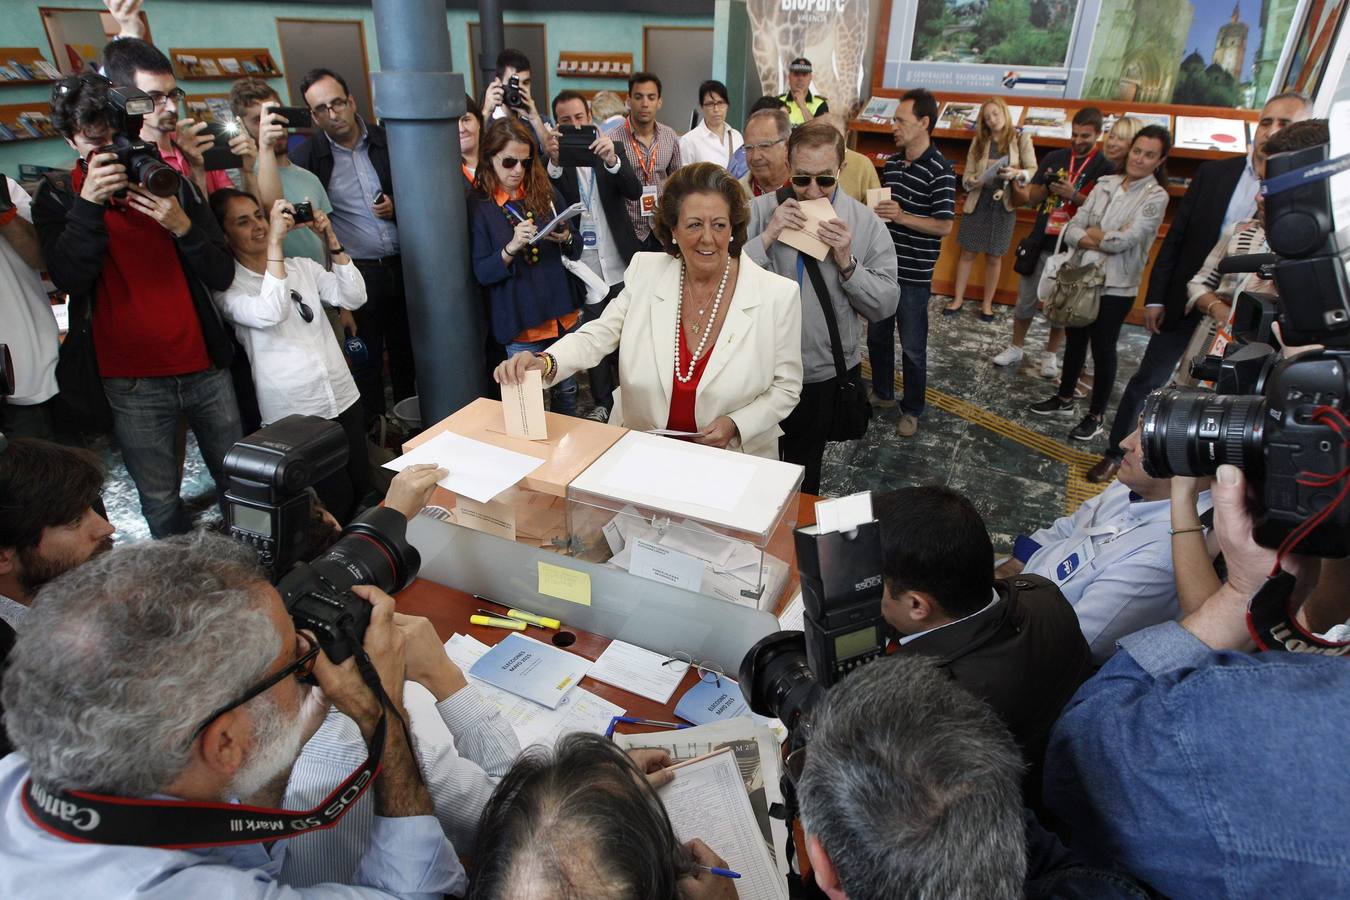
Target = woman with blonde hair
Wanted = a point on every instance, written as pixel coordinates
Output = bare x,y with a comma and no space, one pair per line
999,154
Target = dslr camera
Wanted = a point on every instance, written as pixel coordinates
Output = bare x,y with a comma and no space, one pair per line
1278,419
125,108
786,674
270,507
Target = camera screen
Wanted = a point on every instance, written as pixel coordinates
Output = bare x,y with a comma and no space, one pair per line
855,642
249,519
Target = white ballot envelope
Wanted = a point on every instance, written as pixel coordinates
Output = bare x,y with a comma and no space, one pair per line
523,406
806,240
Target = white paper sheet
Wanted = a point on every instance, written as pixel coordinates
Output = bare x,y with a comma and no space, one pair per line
707,800
670,473
637,671
479,471
657,563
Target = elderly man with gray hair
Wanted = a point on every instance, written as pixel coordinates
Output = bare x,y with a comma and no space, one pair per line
911,789
766,155
157,685
856,277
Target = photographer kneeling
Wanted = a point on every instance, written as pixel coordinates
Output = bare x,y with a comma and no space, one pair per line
169,673
275,305
1013,642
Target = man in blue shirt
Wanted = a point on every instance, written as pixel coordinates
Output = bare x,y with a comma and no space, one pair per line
1112,558
170,671
351,158
1203,769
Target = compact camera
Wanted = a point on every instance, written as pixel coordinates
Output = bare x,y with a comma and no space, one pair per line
125,108
1275,417
270,506
303,212
513,96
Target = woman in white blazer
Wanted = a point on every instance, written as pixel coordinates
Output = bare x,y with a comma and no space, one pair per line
737,370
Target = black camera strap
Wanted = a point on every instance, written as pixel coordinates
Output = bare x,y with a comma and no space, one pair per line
89,818
1272,622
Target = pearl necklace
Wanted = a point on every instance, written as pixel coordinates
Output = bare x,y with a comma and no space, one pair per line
702,341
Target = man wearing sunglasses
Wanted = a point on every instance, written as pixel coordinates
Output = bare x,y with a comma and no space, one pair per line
181,142
857,276
170,670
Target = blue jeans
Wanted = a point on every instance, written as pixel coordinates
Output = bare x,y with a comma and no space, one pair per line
565,391
145,421
913,316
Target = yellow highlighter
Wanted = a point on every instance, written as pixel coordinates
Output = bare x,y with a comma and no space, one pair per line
494,622
541,621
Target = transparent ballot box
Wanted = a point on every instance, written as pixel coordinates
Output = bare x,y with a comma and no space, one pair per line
707,520
533,511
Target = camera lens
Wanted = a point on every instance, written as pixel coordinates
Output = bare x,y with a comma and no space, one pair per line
777,681
153,174
1191,432
374,550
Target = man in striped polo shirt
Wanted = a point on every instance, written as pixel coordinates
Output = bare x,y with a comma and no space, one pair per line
919,214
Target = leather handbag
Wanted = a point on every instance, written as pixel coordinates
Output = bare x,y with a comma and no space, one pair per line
852,411
1076,294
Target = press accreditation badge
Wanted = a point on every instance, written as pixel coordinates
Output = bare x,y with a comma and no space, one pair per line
1075,561
1059,217
648,199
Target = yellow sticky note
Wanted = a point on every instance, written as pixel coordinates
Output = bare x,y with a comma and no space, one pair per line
565,584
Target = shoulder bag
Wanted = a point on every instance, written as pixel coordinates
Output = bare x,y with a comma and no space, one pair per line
852,411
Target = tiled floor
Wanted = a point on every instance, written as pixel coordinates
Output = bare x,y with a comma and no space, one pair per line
1017,482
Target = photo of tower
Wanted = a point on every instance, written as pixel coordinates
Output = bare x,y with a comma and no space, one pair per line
1201,53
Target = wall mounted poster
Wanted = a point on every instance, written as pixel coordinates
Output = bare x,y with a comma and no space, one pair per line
1221,53
833,34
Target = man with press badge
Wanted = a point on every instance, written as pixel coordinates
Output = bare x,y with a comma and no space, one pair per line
1113,558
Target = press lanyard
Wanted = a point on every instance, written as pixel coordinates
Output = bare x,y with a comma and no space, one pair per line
648,166
587,194
1074,173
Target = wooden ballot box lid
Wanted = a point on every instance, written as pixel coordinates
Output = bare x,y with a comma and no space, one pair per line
572,445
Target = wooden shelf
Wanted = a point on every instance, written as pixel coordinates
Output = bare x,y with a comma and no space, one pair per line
216,63
9,117
586,64
26,56
199,101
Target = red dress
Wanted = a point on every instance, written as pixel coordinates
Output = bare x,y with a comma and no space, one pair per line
682,396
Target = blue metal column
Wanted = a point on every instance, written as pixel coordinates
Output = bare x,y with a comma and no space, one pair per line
419,100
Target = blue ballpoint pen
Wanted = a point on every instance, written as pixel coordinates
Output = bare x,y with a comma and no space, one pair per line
725,873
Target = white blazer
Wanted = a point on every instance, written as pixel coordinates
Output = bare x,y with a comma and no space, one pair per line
754,374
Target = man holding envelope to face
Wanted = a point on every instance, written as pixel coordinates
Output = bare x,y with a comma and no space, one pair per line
841,255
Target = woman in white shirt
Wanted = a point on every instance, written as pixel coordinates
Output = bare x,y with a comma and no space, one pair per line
274,305
713,140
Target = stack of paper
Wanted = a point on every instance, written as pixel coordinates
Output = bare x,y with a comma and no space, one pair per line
579,710
687,554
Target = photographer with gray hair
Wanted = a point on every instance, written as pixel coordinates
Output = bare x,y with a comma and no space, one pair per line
169,673
911,790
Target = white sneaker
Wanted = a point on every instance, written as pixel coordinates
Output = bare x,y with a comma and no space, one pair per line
1011,356
1049,365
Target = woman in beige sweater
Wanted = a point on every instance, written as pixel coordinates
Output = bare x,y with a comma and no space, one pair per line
999,154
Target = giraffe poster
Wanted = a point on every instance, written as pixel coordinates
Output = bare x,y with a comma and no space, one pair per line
833,34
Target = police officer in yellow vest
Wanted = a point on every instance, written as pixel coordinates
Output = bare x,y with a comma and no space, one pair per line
801,103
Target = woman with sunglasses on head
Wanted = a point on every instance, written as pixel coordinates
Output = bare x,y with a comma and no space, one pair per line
530,296
275,306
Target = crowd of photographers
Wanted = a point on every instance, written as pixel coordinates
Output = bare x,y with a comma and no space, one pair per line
1087,717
